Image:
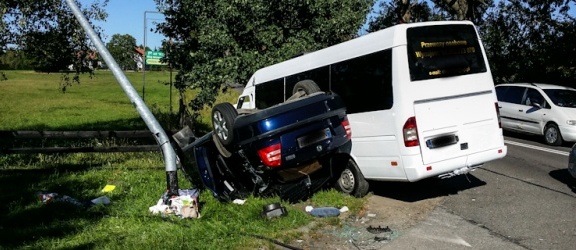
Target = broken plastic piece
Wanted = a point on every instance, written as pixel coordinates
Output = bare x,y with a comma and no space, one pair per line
101,200
379,229
273,210
108,188
239,201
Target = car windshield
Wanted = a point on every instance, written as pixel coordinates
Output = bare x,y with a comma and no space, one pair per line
562,97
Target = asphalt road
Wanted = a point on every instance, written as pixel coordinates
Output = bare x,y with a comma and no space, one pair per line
526,200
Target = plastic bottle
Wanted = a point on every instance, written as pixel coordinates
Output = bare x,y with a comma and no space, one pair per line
325,212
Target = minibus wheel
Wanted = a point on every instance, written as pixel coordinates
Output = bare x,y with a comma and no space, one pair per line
351,181
223,116
306,86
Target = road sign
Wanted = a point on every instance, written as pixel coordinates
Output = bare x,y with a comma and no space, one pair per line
153,57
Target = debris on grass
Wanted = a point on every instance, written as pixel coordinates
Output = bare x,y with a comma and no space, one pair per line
185,205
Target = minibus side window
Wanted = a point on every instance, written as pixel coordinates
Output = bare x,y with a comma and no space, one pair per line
319,75
365,82
443,50
269,93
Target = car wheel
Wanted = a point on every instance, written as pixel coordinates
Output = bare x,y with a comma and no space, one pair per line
351,181
552,135
306,86
223,116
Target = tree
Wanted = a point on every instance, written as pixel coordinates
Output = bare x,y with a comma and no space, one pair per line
531,41
121,47
14,60
395,12
23,24
219,42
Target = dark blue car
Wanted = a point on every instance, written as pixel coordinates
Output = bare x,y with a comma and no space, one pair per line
291,150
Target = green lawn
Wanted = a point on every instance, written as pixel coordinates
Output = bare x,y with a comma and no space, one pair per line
33,101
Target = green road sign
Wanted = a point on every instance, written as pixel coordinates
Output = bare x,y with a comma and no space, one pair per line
153,57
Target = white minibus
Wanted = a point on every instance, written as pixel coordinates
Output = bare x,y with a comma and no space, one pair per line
420,98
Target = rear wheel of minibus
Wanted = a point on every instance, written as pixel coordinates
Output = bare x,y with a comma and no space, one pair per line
351,181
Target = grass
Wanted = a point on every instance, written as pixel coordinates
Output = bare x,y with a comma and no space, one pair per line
33,101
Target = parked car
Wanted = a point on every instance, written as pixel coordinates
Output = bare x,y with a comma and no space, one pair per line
291,150
541,109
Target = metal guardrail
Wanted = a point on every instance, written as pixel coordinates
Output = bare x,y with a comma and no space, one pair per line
10,139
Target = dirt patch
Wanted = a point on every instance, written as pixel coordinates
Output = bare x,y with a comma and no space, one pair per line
382,220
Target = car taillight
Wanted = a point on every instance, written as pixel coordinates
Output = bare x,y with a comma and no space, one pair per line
410,133
271,155
498,114
346,125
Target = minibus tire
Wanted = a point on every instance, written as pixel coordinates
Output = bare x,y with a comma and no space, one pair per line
351,181
223,117
306,86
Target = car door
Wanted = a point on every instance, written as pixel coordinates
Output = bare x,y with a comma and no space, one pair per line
509,103
534,112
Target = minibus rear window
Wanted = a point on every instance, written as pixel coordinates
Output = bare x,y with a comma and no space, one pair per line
443,50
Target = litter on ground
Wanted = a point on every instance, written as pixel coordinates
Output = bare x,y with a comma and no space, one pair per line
185,205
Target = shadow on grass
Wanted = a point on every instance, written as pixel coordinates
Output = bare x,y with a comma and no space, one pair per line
425,189
25,219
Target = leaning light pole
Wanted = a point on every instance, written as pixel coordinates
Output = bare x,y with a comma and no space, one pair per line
157,130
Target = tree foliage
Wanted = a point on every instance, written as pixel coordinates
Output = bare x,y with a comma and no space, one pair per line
13,59
405,11
220,42
48,31
525,40
121,47
531,41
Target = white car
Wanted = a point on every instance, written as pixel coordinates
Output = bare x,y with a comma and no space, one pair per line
540,109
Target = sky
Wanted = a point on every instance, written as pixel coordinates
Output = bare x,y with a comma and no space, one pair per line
127,17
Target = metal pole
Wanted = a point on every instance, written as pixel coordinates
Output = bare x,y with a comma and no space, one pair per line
157,130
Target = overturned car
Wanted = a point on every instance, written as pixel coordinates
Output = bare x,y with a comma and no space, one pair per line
291,150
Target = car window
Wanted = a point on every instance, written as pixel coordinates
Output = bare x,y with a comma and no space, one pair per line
562,97
533,97
511,94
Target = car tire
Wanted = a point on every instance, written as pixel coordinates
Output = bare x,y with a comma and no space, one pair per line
223,116
351,181
552,135
306,86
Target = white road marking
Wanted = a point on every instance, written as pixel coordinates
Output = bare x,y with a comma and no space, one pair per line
456,240
537,148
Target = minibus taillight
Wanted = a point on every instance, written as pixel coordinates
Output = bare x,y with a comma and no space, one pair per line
346,125
410,133
271,156
498,114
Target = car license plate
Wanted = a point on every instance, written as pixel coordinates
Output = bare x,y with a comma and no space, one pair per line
314,137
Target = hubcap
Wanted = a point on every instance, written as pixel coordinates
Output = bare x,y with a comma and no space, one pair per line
220,126
551,135
347,181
